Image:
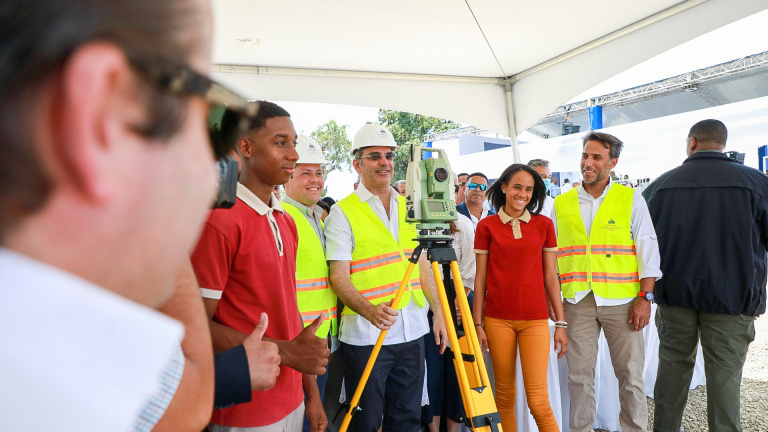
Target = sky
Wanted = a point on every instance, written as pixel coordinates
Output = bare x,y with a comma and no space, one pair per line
739,39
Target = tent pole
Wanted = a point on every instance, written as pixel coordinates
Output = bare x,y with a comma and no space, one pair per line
511,120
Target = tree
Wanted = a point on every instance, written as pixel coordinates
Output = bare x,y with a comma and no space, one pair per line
410,129
335,143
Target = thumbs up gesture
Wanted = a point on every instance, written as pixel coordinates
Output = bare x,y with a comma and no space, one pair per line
306,353
263,357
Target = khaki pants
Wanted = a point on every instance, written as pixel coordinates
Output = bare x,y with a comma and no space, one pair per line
725,340
291,423
585,319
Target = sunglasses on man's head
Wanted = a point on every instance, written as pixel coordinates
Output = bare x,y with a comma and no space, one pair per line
229,113
377,156
475,186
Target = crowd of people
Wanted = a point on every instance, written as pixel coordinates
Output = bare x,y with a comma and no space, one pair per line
134,306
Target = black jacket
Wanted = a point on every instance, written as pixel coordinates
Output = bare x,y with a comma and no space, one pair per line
711,219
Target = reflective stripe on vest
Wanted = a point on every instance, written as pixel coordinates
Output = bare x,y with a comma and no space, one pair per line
313,292
378,261
606,260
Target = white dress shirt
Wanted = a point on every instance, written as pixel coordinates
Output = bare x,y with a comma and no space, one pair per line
75,356
411,322
641,229
464,244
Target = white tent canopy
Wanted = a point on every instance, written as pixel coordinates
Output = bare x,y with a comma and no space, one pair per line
495,64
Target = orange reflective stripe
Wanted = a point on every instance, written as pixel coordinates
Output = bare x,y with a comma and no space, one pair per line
380,291
616,277
572,250
309,316
573,277
374,262
303,285
614,249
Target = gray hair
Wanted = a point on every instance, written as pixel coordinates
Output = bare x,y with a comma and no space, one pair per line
609,141
533,163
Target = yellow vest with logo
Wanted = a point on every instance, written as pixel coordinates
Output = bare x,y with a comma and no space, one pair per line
378,261
313,292
607,258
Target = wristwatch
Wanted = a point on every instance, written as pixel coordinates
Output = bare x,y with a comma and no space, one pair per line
646,295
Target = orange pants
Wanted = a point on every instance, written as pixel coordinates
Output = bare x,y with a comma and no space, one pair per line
532,336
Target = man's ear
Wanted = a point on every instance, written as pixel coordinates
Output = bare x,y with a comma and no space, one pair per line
692,144
356,165
245,147
614,161
91,117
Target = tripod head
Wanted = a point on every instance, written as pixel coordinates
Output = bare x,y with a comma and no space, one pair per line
429,190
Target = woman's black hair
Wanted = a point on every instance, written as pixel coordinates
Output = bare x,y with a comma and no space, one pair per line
499,198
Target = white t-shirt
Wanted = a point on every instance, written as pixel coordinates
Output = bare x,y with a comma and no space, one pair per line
75,356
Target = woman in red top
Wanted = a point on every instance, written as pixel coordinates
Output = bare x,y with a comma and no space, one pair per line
516,259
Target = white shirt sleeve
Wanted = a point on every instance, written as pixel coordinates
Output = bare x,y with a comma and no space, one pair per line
465,242
339,241
644,235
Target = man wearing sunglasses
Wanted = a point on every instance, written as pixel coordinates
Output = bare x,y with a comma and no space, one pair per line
368,244
475,205
107,174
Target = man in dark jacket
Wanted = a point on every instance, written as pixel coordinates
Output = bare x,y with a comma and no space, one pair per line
474,205
711,217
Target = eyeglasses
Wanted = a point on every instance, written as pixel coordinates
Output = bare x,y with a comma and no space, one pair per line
229,113
377,156
475,186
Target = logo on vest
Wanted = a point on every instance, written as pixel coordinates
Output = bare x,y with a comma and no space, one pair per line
612,226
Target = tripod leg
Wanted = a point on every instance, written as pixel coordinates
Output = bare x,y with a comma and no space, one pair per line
466,314
353,408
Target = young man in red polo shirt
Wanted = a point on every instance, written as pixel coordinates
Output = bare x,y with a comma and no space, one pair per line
245,263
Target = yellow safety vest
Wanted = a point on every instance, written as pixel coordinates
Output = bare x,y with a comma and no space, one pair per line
607,258
378,261
313,292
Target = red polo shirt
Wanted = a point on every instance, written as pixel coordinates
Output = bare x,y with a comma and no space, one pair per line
515,277
239,256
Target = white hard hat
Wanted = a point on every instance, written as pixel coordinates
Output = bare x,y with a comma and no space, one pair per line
309,151
372,134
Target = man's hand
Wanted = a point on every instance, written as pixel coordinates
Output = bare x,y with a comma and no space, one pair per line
263,357
441,334
382,315
640,313
306,353
318,422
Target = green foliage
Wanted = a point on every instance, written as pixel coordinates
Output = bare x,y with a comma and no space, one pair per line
410,129
336,145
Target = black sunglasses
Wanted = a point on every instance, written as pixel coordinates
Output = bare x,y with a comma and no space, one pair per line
229,113
475,186
377,156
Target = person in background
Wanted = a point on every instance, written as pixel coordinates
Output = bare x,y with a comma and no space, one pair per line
566,186
400,187
608,260
711,215
315,296
542,168
516,273
461,188
276,192
473,206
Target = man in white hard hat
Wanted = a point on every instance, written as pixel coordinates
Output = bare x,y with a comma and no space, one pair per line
368,244
315,297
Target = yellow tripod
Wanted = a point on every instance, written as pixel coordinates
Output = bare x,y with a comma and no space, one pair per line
479,405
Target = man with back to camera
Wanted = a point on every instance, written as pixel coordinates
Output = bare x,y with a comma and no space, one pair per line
608,260
245,263
93,215
542,167
315,296
474,205
368,244
714,266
